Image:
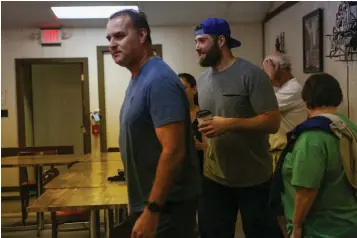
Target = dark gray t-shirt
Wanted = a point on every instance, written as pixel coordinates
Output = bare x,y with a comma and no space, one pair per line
241,91
156,97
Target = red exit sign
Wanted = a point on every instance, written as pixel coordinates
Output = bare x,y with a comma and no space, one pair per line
51,37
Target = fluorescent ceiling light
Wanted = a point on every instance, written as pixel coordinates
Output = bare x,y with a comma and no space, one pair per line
86,12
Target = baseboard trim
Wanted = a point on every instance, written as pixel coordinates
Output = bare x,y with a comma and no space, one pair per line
10,189
14,189
10,198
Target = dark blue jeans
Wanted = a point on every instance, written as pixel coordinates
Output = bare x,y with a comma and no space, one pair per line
219,206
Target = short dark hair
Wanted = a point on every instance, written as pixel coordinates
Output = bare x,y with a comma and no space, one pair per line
192,82
138,18
322,90
188,78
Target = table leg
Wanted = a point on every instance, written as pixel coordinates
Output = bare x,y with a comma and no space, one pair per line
117,216
39,191
94,224
120,215
108,213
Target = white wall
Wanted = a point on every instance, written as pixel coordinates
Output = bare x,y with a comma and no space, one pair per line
116,81
290,22
178,52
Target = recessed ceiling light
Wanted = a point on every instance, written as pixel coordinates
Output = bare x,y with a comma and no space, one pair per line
86,12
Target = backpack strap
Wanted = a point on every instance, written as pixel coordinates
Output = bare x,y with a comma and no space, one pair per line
348,147
277,188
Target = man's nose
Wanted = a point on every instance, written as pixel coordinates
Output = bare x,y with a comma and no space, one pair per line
197,48
112,43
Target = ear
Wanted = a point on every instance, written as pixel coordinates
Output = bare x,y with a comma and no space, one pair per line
194,90
143,34
221,41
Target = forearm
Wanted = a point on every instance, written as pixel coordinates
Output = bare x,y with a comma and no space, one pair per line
258,123
282,223
304,198
167,169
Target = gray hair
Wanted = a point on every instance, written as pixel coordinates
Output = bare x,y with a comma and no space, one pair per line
282,60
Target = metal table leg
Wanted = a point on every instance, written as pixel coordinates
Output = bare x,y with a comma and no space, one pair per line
94,224
108,213
39,192
116,216
120,215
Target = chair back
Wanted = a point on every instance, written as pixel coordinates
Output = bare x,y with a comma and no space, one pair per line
49,175
23,174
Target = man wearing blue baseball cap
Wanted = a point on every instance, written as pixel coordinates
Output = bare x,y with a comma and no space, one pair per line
238,166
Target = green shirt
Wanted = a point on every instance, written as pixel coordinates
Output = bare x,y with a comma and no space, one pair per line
315,162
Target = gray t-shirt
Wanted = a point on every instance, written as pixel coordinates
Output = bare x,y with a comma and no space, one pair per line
154,98
239,158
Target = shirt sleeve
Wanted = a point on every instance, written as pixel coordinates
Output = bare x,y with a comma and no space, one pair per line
261,92
288,98
308,165
167,102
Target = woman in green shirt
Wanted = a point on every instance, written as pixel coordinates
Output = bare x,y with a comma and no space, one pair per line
317,198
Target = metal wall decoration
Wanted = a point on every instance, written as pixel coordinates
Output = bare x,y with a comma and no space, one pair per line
344,34
344,39
313,42
280,42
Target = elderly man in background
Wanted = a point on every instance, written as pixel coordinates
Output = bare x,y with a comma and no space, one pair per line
291,106
288,93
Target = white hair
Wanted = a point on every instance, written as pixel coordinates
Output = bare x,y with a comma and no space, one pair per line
282,60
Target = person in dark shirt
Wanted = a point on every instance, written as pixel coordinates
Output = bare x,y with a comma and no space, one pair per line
189,82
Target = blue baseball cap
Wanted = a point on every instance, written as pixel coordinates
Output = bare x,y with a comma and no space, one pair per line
217,26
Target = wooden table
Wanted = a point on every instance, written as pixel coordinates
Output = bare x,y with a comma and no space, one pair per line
91,172
38,162
81,198
92,199
24,161
86,186
103,157
87,175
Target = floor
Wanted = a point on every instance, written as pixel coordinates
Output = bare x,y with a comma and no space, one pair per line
11,215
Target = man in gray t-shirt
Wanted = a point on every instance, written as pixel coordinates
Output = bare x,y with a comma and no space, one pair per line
238,166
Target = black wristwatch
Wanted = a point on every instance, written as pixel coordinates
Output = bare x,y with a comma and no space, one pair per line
153,207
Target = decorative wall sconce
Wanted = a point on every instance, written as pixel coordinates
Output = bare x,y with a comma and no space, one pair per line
280,42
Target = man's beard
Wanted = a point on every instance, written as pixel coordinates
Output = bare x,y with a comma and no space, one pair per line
213,56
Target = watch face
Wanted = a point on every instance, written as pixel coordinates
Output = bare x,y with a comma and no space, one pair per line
154,207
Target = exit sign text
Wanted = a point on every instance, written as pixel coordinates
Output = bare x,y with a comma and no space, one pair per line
51,37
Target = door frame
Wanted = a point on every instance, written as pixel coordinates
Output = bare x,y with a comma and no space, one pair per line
101,50
23,72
